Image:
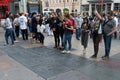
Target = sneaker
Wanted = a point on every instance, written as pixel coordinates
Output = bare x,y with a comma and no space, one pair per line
13,45
5,44
68,51
64,51
16,41
105,58
77,38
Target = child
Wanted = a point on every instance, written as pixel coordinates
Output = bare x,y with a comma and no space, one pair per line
40,29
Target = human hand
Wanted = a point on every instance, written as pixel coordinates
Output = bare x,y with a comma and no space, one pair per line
95,12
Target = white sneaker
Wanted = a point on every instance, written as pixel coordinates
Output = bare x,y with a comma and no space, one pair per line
68,51
16,41
64,51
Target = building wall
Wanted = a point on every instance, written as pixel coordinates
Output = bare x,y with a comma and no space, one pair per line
107,6
54,4
23,6
116,1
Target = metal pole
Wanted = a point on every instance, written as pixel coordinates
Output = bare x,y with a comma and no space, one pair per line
102,5
80,6
73,8
64,4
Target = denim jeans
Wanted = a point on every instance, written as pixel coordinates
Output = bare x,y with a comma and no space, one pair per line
7,34
67,38
107,43
78,33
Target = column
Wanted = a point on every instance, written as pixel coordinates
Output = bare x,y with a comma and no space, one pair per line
23,6
112,6
106,8
90,9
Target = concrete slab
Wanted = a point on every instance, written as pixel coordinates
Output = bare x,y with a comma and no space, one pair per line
71,75
117,56
5,63
100,72
112,63
12,70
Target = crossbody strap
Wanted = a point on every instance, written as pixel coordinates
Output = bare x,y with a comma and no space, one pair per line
106,22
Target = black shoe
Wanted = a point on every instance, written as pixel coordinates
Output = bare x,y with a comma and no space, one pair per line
105,57
77,38
55,47
93,56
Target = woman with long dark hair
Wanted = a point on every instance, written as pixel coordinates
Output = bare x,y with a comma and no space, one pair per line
85,28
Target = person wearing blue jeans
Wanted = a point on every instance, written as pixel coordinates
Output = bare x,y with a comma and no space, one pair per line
107,42
7,34
8,30
79,21
67,36
109,28
78,33
65,39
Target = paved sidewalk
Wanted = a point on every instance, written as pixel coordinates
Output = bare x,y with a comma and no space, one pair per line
26,61
12,70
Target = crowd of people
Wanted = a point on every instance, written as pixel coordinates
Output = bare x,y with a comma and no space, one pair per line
62,27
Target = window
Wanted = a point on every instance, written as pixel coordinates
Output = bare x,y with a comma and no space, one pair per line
93,7
85,7
109,6
117,6
74,0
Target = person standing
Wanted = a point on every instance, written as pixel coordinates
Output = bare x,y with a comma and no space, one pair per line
116,20
109,27
34,25
55,28
23,26
85,28
8,30
13,31
96,35
16,24
79,22
67,36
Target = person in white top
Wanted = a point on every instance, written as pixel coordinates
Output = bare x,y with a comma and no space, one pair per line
16,25
79,21
40,30
116,20
8,32
23,26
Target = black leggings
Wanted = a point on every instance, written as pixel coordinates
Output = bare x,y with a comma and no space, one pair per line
96,41
17,28
57,39
24,34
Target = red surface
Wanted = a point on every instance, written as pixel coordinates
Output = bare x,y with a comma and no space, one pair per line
100,3
5,2
113,63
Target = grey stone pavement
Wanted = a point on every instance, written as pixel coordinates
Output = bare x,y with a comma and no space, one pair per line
26,61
